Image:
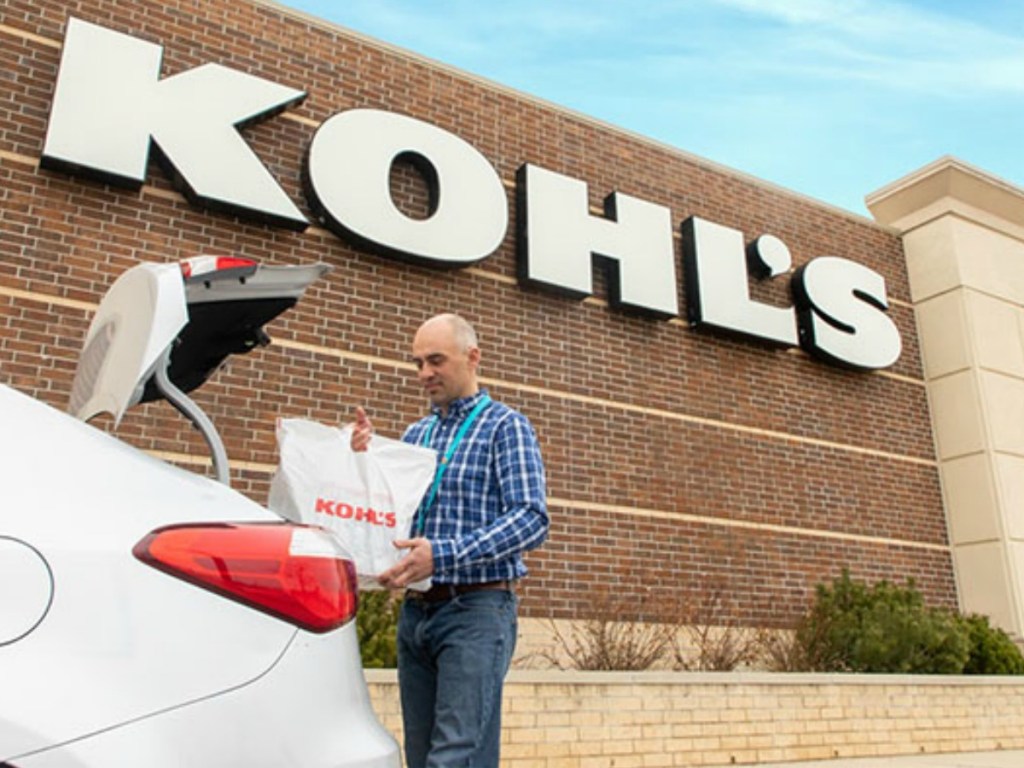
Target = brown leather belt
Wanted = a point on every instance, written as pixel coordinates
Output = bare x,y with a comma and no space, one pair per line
440,592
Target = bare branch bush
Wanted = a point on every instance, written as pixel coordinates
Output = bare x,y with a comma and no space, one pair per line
780,650
715,641
609,640
687,634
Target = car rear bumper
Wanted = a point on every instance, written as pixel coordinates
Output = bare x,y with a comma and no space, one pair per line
311,709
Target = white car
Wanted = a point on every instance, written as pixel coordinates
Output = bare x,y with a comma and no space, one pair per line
150,616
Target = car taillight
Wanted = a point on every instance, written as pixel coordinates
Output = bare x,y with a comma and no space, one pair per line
211,267
296,573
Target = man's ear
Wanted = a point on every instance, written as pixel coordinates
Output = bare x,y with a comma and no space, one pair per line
474,356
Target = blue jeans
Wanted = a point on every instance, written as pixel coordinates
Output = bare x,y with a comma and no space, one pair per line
452,660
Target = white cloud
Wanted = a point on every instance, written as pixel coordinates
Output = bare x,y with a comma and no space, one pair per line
892,45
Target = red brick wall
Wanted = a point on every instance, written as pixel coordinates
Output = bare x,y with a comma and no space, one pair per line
677,461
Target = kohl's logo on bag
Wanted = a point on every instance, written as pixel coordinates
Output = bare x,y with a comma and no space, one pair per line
367,499
359,514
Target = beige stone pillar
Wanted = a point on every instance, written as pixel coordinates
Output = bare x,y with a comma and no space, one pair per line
963,236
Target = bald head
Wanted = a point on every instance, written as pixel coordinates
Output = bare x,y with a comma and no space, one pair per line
446,356
460,329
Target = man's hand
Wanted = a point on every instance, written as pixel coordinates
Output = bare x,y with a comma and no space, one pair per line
417,564
362,431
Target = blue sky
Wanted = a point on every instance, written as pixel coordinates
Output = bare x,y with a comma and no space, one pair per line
828,98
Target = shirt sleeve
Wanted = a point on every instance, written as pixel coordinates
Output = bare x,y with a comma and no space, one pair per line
522,522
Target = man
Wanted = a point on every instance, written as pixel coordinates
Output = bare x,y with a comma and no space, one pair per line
485,508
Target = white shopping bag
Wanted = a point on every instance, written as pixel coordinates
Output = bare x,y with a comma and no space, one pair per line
368,498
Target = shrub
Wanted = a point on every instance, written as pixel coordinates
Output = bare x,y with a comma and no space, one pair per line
614,638
685,633
884,628
376,626
781,651
607,645
992,652
849,627
715,640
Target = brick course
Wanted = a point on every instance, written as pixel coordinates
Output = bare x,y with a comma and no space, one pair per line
697,458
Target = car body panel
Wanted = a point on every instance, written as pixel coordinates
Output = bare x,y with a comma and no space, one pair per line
267,724
132,625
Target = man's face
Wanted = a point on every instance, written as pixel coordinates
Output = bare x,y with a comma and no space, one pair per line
446,370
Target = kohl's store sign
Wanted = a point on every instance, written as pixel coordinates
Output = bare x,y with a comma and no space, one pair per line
110,105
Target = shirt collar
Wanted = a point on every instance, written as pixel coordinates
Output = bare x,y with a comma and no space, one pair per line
462,406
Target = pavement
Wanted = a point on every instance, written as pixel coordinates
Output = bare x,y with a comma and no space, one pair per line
999,759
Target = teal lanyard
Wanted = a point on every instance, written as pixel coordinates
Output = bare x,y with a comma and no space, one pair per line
446,459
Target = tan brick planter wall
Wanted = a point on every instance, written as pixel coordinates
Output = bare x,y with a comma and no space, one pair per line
627,719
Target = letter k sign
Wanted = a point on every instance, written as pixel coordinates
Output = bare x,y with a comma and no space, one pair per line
110,102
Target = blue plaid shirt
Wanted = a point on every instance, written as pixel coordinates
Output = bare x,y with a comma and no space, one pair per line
491,505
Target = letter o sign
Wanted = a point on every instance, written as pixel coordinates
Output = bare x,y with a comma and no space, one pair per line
348,171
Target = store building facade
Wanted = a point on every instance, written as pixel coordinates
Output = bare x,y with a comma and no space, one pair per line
737,390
